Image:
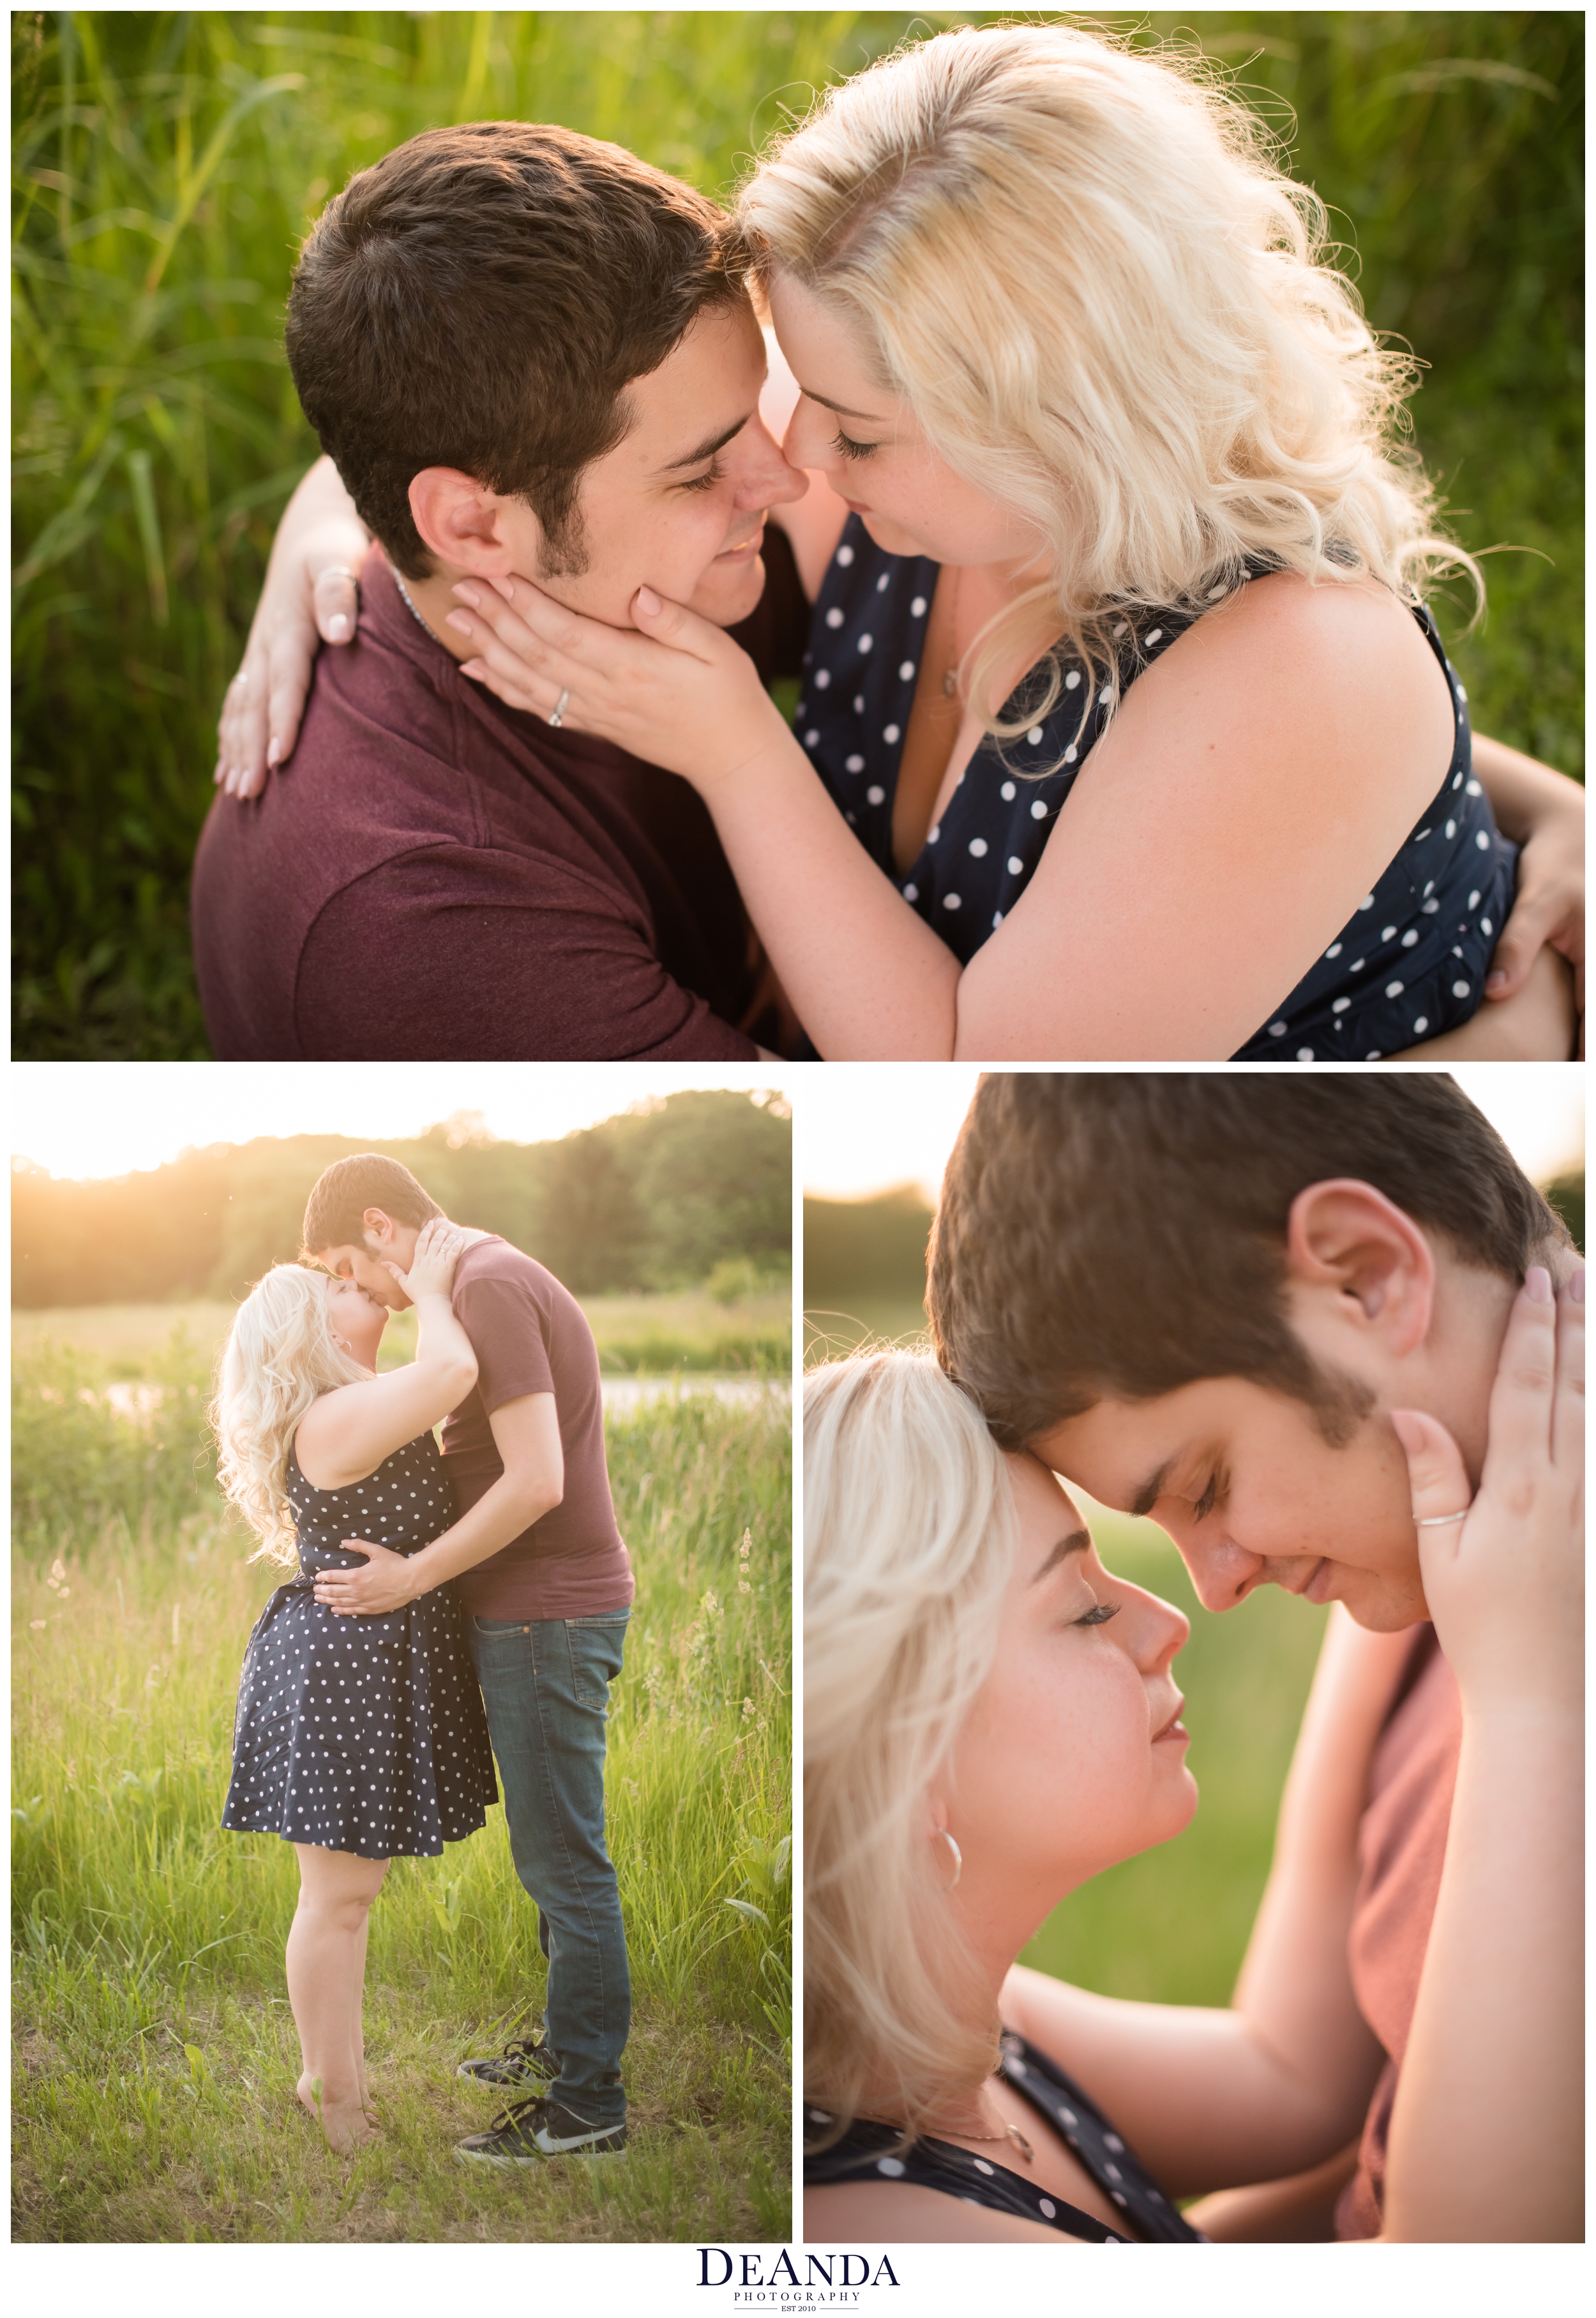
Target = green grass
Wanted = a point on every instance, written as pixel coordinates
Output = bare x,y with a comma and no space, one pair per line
153,2099
167,165
649,1335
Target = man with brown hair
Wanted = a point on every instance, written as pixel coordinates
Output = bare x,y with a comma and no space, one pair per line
524,352
1200,1296
543,1580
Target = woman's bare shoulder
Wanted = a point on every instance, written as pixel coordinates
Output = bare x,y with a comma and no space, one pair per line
905,2213
1328,640
1334,682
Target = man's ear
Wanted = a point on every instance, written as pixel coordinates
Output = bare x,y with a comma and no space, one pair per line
1345,1237
462,521
378,1229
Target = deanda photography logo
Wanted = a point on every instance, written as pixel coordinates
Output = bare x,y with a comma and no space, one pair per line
793,2280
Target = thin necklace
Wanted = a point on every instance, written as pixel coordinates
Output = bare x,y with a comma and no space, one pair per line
950,685
1009,2132
400,583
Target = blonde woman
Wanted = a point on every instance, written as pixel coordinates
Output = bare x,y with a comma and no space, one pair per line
357,1739
1124,730
990,1717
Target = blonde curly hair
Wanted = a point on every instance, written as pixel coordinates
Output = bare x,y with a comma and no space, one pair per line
908,1541
1111,309
280,1356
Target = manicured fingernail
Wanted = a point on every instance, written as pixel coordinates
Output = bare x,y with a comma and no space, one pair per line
1576,1287
474,667
458,621
467,594
506,590
1538,1284
646,601
1496,980
273,752
337,629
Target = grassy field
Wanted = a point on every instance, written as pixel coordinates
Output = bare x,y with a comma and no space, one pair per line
167,165
647,1336
155,2058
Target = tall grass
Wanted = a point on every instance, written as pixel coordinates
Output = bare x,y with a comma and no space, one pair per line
167,165
156,2059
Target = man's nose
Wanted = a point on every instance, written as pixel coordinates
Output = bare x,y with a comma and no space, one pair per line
767,480
1223,1573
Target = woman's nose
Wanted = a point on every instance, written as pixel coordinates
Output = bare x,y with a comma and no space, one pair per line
1156,1631
806,443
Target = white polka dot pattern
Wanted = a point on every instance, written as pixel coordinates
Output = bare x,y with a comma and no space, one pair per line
977,861
364,1735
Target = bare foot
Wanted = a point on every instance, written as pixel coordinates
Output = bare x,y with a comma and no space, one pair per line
346,2124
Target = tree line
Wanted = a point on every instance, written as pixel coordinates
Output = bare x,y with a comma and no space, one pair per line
655,1199
877,1246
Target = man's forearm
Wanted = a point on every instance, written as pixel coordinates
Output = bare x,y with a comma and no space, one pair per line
509,1507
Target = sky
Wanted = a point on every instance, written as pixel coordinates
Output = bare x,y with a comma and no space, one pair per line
110,1118
864,1127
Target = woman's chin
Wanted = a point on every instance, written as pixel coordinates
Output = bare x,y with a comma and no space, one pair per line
894,539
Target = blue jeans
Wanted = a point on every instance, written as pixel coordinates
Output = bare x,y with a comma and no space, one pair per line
546,1689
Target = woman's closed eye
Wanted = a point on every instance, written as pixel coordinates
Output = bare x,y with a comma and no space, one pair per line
1099,1614
849,448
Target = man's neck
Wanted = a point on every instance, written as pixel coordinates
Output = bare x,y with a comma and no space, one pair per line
432,600
1470,1322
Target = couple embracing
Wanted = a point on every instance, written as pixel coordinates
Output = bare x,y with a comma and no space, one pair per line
1325,1332
445,1611
1076,501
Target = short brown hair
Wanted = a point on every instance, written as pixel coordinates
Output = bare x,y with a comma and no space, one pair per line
1118,1235
480,298
334,1212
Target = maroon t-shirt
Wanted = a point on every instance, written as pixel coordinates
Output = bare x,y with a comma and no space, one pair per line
529,1334
1402,1848
433,875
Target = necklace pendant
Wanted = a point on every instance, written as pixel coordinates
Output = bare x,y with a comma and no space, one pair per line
1021,2143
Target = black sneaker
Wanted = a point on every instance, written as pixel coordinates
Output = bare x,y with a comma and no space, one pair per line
529,2060
535,2129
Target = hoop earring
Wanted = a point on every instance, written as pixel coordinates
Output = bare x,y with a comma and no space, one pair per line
941,1835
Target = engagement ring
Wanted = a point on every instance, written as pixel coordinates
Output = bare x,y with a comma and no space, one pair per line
558,716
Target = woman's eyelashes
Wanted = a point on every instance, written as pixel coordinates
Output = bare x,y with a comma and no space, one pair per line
849,448
1099,1614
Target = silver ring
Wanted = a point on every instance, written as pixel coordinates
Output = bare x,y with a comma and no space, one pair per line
339,571
1442,1521
241,682
558,717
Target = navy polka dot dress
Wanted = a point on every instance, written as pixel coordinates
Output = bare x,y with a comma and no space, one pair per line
868,2152
1410,963
363,1734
